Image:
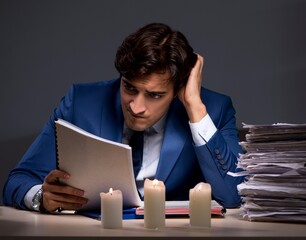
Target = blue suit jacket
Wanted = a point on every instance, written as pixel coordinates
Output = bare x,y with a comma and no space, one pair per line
96,108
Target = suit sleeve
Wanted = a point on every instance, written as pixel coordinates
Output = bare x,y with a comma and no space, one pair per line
38,160
219,156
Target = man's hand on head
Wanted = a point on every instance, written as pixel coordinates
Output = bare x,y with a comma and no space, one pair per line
190,94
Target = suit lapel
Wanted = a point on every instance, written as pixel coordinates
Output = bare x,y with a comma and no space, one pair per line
175,137
112,117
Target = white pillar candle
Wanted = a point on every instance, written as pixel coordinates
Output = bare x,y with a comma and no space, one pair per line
154,204
200,205
111,209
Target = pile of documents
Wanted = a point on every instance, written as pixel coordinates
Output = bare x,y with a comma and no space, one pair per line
274,162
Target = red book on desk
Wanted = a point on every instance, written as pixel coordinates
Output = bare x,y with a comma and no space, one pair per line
182,208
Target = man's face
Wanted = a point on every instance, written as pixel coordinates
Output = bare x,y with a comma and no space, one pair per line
144,101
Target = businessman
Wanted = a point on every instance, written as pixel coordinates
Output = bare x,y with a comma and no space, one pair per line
189,132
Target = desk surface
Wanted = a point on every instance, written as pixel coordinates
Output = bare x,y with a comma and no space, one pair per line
15,222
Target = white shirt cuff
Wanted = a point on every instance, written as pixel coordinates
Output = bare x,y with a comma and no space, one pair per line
202,131
29,196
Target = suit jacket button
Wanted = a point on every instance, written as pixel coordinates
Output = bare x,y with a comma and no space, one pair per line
219,157
222,161
224,166
217,151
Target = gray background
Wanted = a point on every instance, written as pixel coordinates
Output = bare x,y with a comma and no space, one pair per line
254,51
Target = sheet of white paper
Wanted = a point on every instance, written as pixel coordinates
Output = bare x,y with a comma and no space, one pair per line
95,165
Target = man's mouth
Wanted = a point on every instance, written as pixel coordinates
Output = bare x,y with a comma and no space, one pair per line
137,116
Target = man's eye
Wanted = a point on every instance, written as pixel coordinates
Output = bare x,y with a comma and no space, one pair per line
129,87
155,95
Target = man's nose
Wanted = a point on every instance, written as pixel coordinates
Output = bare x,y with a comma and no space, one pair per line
137,105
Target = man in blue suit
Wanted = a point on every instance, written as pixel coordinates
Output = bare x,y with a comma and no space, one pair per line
189,131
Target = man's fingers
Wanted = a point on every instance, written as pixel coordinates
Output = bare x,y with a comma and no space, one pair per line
62,189
200,64
196,71
201,59
56,175
65,198
52,205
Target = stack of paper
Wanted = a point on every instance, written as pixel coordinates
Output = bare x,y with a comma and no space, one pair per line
274,161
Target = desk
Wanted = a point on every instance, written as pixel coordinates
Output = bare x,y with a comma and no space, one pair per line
15,222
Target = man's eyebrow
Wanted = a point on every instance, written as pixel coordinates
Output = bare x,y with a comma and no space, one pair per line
128,83
150,92
157,92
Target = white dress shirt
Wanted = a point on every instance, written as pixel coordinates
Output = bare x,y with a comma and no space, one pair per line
201,133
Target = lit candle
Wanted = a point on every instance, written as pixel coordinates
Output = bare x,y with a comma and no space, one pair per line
154,204
111,209
200,205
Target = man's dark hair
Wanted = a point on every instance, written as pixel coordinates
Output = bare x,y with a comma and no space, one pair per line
156,48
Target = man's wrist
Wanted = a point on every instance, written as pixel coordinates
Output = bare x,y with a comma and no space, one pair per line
30,195
203,130
37,202
41,206
197,112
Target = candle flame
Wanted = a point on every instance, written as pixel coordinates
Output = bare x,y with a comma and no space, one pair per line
155,182
199,187
111,190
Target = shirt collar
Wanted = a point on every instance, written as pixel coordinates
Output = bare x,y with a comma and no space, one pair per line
159,126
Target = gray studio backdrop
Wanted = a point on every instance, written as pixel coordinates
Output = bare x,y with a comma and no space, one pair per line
254,51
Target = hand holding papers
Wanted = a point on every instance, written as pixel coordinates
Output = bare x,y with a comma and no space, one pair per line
95,165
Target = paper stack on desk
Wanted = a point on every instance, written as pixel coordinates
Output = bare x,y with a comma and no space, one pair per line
275,164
